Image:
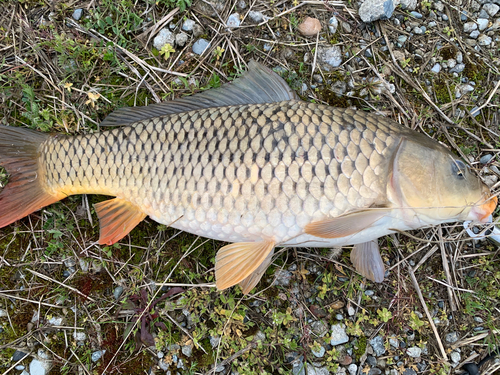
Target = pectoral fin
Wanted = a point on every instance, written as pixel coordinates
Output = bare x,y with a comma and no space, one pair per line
236,262
251,281
346,225
367,260
117,217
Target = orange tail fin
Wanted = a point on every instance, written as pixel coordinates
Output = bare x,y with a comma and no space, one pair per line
24,193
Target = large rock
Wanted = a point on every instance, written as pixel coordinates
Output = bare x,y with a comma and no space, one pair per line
373,10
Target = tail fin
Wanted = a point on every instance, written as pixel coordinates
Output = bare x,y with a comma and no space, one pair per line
24,193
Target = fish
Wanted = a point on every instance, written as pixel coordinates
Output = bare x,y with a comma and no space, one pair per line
252,164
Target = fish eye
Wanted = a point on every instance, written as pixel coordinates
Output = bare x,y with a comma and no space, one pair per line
458,167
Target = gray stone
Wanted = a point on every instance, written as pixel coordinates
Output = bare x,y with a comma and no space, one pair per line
79,336
394,342
438,5
319,328
187,350
241,5
319,353
160,354
333,24
455,357
317,370
474,34
469,26
484,160
409,4
267,47
339,88
352,368
163,364
3,313
374,371
200,46
330,57
350,310
181,39
463,16
458,68
19,367
451,337
377,344
409,371
416,14
233,20
484,40
39,367
339,317
475,112
18,355
188,25
346,26
97,355
482,23
165,36
55,321
214,341
369,292
339,336
118,292
77,14
414,352
373,10
298,368
491,9
256,17
418,31
402,40
341,371
197,30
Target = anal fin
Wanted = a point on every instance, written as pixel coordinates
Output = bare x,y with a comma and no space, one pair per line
251,281
117,217
236,262
367,260
346,225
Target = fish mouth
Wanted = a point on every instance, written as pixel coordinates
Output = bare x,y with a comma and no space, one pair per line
482,212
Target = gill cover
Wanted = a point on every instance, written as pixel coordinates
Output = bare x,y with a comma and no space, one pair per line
434,183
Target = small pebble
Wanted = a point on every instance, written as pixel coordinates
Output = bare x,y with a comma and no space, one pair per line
333,24
319,353
310,27
459,68
19,367
482,23
377,344
77,14
373,10
187,350
188,25
469,26
409,371
455,357
3,313
352,368
97,355
165,36
451,337
233,21
414,352
484,40
256,17
181,39
339,336
160,354
463,16
200,46
474,34
416,14
18,355
350,310
118,292
484,160
444,17
79,336
491,9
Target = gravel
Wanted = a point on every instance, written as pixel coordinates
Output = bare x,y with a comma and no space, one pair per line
333,24
256,17
414,352
77,14
165,36
339,336
200,46
97,355
451,337
377,344
373,10
181,39
188,25
233,21
329,57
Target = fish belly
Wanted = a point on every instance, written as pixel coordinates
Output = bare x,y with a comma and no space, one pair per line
238,173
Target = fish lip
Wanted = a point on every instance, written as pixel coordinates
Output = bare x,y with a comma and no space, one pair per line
482,212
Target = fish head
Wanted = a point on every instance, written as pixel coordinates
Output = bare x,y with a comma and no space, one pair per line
436,185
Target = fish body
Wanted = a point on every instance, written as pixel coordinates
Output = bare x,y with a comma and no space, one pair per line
258,174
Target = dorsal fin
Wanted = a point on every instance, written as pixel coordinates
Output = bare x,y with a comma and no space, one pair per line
256,86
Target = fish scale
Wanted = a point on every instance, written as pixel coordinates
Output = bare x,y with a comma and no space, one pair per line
234,173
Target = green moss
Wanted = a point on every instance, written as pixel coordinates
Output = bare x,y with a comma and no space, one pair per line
442,90
475,72
448,52
360,347
333,99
